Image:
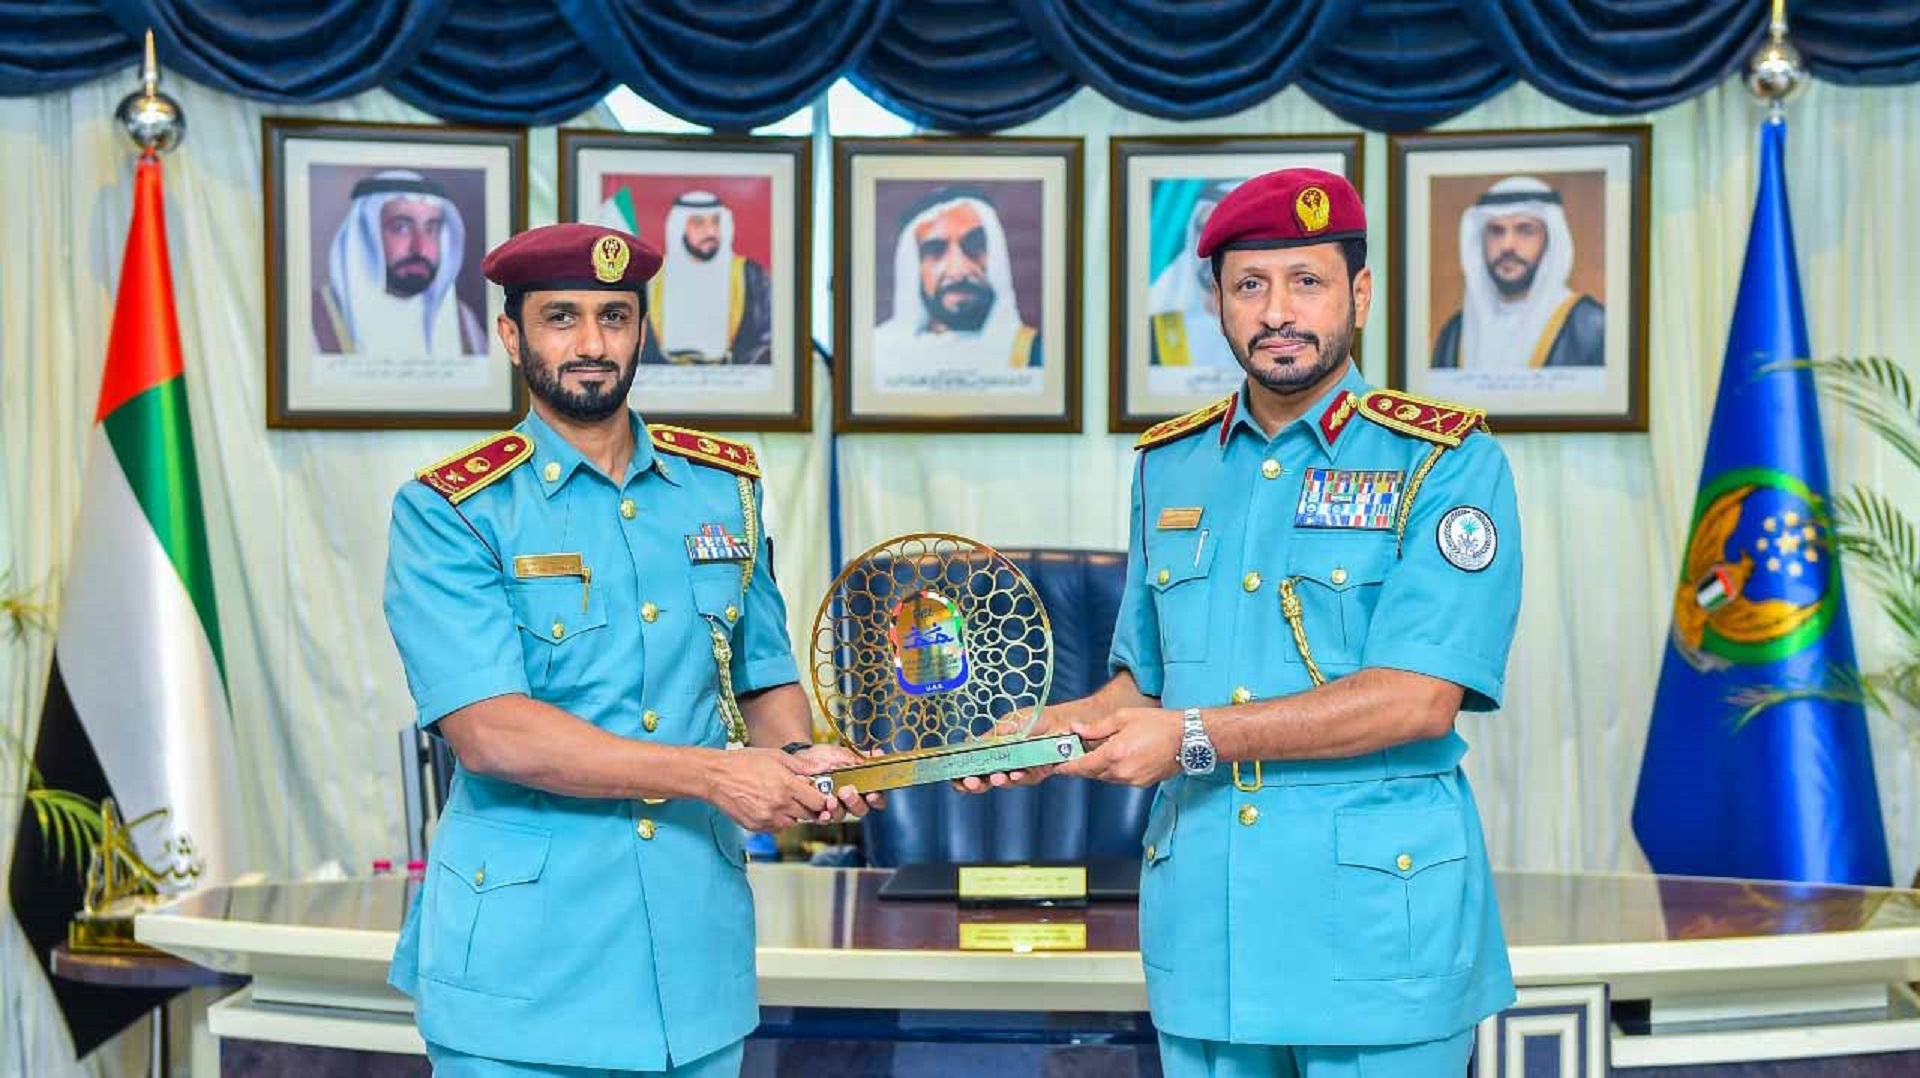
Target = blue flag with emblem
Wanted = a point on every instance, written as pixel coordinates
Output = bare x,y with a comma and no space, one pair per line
1789,794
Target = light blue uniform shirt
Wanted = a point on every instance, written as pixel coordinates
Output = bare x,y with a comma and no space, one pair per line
562,930
1345,901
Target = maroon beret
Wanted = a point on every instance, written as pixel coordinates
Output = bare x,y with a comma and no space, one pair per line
572,257
1293,207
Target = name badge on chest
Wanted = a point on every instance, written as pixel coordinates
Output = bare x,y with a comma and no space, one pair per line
1337,498
713,543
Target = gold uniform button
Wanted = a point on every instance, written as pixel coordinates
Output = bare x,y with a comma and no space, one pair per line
651,720
645,829
1271,468
559,630
1404,863
1164,576
1338,576
1241,694
1250,582
480,878
733,613
649,612
1149,853
1249,815
553,471
627,509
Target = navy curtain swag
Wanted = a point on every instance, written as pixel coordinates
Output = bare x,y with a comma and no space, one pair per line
956,65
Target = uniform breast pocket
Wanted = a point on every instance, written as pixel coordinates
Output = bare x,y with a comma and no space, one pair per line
1400,894
1337,579
1178,564
554,616
487,910
717,591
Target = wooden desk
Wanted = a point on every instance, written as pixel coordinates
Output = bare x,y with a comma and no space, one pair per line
1631,971
141,971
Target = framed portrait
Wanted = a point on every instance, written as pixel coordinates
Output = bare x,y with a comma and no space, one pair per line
377,315
728,343
956,278
1167,355
1519,274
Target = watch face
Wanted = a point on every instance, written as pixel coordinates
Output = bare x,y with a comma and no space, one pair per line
1196,757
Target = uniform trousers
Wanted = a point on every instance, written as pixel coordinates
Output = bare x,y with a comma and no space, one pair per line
1183,1057
448,1063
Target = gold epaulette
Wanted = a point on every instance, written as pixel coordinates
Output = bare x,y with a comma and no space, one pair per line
474,467
698,445
1183,425
1428,420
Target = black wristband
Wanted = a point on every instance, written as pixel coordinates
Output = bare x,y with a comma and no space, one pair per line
796,746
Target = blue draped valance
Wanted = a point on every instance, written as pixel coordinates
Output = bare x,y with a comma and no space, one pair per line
961,65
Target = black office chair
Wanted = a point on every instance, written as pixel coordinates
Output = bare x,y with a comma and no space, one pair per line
426,774
1062,819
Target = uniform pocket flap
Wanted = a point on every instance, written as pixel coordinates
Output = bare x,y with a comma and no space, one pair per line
1402,843
557,610
1339,566
486,855
1177,559
716,590
1157,841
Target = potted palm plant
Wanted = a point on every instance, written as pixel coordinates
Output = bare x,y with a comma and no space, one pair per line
1880,545
69,823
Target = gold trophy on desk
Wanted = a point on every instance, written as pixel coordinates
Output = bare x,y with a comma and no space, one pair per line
932,652
121,884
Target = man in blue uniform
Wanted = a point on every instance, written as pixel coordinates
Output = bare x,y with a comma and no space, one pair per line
586,611
1321,575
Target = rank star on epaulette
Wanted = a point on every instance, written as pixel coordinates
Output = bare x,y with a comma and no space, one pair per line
698,445
1430,420
1180,426
471,470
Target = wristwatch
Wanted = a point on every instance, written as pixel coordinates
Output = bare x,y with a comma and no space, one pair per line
1196,749
793,747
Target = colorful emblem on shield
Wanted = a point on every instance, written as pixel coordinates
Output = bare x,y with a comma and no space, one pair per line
929,644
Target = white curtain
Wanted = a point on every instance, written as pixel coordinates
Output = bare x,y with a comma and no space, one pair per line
298,519
1603,515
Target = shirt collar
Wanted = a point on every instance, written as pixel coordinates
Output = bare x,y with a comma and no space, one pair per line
555,460
1319,418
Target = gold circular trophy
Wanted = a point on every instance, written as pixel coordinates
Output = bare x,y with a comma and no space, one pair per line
932,653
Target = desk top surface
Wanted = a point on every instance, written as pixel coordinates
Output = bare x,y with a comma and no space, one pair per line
806,908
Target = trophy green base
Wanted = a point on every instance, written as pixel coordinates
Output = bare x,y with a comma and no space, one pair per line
948,763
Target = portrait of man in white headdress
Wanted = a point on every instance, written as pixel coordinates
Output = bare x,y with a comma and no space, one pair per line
709,304
393,268
955,309
1181,307
1519,311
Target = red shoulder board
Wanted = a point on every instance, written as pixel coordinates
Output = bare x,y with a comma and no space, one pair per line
1181,426
1433,421
698,445
474,467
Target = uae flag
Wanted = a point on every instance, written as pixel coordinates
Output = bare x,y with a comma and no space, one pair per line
136,706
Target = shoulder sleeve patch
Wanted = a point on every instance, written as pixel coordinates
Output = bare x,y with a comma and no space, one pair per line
698,445
472,469
1429,420
1181,426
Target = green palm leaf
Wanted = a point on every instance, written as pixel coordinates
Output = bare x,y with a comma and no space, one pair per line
1880,543
1877,391
70,823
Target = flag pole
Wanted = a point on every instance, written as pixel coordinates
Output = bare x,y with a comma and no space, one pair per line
1776,74
150,118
